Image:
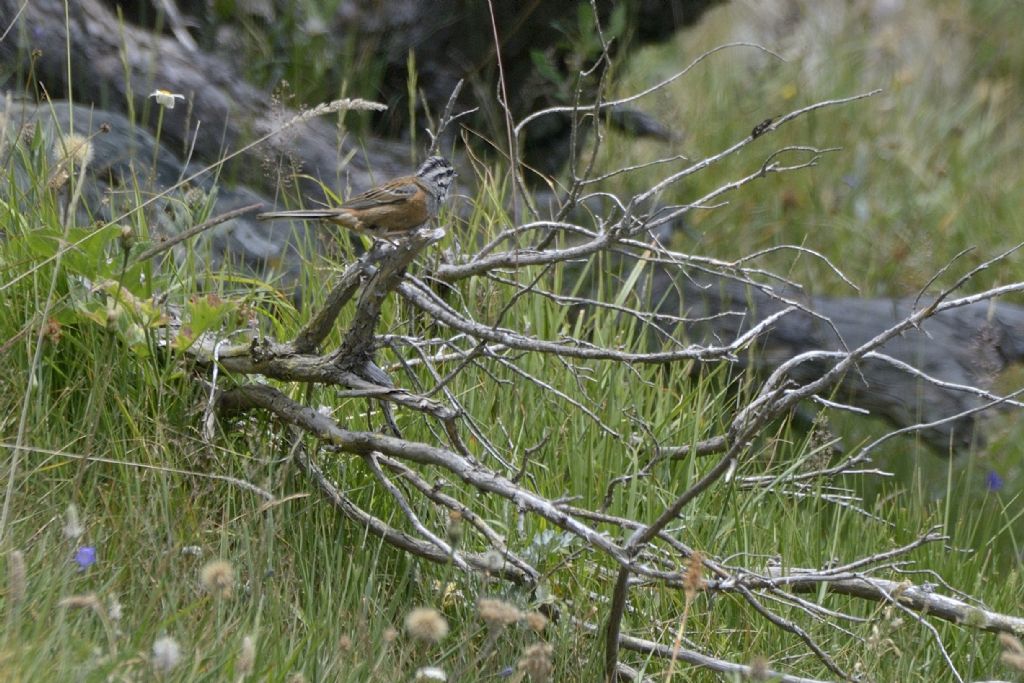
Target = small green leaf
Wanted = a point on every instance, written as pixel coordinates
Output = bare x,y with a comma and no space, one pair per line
209,312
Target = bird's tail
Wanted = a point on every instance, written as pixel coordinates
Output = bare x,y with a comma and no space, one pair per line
300,214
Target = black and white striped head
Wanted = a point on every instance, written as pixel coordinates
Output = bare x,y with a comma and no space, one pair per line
438,173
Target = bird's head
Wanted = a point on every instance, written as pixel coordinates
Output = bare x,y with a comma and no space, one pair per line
438,172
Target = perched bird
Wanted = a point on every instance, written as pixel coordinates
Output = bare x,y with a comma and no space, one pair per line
389,210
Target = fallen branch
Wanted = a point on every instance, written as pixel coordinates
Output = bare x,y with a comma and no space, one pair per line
920,598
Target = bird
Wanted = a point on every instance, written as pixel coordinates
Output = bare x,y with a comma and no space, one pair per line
390,210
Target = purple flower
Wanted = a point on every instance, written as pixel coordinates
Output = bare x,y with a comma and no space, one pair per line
993,481
85,557
506,672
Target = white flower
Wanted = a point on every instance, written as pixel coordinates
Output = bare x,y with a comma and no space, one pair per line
430,673
166,654
165,98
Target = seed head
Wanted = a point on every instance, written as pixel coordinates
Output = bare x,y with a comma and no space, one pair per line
246,657
114,609
536,621
84,601
76,149
73,528
1013,651
497,614
493,560
17,587
166,654
694,580
218,578
536,662
426,624
52,330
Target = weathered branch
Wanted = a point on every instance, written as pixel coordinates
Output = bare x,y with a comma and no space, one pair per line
920,598
356,349
363,443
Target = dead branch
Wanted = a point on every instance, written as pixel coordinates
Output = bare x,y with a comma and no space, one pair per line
921,598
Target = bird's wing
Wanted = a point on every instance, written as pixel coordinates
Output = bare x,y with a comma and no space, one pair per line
386,194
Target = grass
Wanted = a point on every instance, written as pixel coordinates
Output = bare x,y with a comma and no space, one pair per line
113,426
